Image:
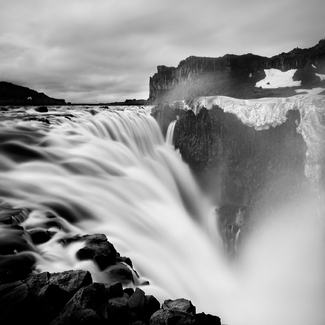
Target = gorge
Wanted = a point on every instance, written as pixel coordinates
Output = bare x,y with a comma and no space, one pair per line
114,215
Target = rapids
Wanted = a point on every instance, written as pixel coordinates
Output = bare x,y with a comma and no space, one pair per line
111,172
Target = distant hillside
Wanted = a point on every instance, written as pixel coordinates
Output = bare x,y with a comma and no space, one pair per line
241,76
11,94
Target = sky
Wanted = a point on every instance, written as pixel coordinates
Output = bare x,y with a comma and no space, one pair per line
100,51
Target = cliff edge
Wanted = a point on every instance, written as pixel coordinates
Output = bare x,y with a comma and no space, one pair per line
241,76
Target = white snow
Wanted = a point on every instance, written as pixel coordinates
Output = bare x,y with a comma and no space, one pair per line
264,113
276,78
313,91
321,76
260,113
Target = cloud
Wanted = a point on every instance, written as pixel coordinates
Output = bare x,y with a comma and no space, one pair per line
110,48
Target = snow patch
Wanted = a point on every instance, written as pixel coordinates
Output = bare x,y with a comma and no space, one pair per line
264,113
276,78
313,91
321,76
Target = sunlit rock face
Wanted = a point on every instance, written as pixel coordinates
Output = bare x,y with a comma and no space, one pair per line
240,76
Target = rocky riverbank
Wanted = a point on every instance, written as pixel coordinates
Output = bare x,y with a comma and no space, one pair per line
72,297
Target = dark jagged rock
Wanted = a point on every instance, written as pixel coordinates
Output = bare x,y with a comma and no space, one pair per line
40,297
181,305
11,94
307,76
72,298
87,306
97,248
41,109
181,312
166,113
234,75
239,166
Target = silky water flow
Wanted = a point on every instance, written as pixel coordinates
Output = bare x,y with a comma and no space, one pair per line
113,173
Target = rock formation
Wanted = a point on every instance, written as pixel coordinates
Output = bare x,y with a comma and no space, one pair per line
236,75
72,297
11,94
251,156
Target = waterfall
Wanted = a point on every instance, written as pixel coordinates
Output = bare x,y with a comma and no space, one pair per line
111,172
170,133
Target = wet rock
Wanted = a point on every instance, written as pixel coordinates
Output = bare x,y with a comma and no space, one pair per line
97,248
164,114
40,235
16,266
115,290
41,109
180,305
119,273
118,311
87,306
178,311
207,319
71,281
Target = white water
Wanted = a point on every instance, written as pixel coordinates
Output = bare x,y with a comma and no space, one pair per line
115,175
170,133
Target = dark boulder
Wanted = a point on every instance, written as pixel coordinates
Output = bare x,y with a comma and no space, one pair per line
41,109
164,114
181,312
39,298
307,76
87,306
97,248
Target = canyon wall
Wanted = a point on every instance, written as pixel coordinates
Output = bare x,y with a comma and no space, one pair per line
235,75
252,157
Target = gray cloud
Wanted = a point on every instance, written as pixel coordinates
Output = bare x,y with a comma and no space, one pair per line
106,50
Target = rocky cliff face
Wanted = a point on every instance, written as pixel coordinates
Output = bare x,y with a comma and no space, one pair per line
252,157
11,94
238,164
236,76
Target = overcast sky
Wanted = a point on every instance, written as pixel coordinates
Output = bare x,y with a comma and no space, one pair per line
106,50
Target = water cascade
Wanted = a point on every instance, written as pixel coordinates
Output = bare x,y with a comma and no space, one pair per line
170,133
112,173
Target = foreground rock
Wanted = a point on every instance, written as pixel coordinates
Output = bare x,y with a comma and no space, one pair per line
72,298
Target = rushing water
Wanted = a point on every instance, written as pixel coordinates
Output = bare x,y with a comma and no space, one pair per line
170,133
103,171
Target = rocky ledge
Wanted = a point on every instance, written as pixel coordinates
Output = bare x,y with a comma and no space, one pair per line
250,156
72,297
239,76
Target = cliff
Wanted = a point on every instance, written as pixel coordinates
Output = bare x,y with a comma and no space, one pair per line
252,157
11,94
237,75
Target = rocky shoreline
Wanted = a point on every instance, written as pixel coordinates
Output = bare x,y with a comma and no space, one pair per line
72,297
